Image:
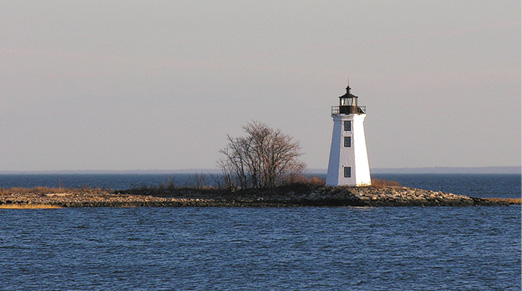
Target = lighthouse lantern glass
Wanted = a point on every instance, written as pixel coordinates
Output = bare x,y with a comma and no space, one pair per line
345,101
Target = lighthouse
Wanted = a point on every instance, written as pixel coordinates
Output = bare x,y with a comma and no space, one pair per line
348,164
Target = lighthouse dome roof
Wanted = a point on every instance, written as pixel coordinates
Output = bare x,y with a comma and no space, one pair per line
348,94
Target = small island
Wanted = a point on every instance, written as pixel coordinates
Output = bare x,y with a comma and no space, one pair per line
293,195
262,169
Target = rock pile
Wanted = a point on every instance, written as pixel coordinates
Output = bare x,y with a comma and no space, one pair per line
361,196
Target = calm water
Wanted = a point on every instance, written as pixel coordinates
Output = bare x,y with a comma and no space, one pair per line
409,248
337,248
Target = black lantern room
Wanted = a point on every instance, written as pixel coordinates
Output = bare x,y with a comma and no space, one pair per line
348,102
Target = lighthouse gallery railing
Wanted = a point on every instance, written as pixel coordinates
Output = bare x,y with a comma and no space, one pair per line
348,110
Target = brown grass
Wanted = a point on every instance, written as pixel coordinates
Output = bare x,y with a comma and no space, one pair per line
43,190
28,206
310,180
380,183
509,200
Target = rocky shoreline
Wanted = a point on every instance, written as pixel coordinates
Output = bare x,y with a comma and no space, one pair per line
287,196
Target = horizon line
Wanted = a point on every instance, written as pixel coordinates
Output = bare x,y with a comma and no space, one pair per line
381,170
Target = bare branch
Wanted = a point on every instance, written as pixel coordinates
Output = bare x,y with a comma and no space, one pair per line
265,156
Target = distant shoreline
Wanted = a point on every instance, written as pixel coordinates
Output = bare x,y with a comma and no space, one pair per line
417,170
450,170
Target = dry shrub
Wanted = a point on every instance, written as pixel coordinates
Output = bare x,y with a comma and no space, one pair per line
314,180
45,190
380,183
28,206
509,200
302,179
20,190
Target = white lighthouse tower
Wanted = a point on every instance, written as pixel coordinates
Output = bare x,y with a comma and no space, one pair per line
348,164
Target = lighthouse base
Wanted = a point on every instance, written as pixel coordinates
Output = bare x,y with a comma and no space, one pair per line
348,164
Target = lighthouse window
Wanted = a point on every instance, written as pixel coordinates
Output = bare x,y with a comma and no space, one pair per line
347,141
347,172
348,125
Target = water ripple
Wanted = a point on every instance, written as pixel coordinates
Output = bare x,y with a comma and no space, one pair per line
408,248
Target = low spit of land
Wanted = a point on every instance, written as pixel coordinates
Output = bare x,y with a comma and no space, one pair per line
284,196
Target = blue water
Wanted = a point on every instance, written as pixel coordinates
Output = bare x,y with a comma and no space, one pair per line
110,181
407,248
307,248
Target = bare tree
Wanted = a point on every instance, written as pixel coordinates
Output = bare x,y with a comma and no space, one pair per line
263,158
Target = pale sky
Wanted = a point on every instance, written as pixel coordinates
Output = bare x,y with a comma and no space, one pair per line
143,85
